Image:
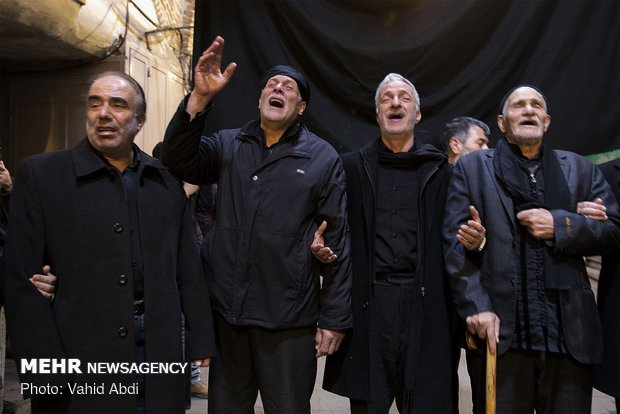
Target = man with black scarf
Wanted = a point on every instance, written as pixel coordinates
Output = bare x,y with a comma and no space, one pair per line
400,347
526,290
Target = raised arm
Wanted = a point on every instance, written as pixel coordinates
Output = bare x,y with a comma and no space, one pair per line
208,77
190,156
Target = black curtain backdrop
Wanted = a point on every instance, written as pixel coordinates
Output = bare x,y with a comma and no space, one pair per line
461,55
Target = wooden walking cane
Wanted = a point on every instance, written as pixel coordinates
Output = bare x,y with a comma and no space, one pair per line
490,383
491,365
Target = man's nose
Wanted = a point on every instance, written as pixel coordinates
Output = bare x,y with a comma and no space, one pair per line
104,110
395,101
528,108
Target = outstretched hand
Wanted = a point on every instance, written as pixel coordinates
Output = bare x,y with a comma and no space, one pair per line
322,253
208,77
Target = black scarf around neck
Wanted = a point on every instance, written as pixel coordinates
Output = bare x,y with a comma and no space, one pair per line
512,172
409,159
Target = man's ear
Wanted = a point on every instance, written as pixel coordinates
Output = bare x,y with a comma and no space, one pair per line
500,123
455,145
547,122
302,107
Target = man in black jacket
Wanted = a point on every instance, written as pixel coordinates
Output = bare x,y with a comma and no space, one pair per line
607,375
527,291
400,347
114,225
276,183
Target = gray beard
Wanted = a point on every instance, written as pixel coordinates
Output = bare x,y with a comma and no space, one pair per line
526,139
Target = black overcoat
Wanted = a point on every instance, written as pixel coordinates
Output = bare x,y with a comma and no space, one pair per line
430,345
485,281
68,210
607,377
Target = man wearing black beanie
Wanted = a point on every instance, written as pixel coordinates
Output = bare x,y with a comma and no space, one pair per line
277,183
526,292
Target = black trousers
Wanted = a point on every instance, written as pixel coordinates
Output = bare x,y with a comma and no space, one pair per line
281,364
388,321
529,381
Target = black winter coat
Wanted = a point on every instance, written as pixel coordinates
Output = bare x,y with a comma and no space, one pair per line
260,269
430,347
607,377
68,210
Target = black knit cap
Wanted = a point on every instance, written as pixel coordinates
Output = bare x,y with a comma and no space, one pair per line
514,88
302,83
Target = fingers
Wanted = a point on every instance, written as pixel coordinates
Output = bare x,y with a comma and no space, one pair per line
202,362
327,341
323,253
230,70
593,209
45,283
471,230
215,49
318,234
538,222
471,235
485,325
492,334
466,240
318,341
474,214
44,288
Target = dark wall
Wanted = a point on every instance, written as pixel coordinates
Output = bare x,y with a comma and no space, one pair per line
461,55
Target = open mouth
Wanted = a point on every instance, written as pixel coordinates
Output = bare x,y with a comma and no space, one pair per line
105,129
528,122
396,116
276,102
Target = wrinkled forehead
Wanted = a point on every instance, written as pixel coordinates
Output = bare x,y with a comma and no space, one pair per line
281,79
112,86
396,87
526,93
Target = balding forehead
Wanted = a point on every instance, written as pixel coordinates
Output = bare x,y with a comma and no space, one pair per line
525,93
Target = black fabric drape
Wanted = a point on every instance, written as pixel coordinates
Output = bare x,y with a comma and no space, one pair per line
461,55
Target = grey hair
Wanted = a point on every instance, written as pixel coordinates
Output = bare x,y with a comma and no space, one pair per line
396,77
141,103
459,128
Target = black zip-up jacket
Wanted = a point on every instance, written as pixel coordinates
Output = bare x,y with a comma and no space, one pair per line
259,266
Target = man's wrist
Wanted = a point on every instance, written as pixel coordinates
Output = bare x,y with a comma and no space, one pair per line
482,244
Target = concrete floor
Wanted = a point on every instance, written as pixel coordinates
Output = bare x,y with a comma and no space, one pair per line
323,402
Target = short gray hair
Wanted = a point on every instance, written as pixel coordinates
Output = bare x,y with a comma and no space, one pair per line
396,77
